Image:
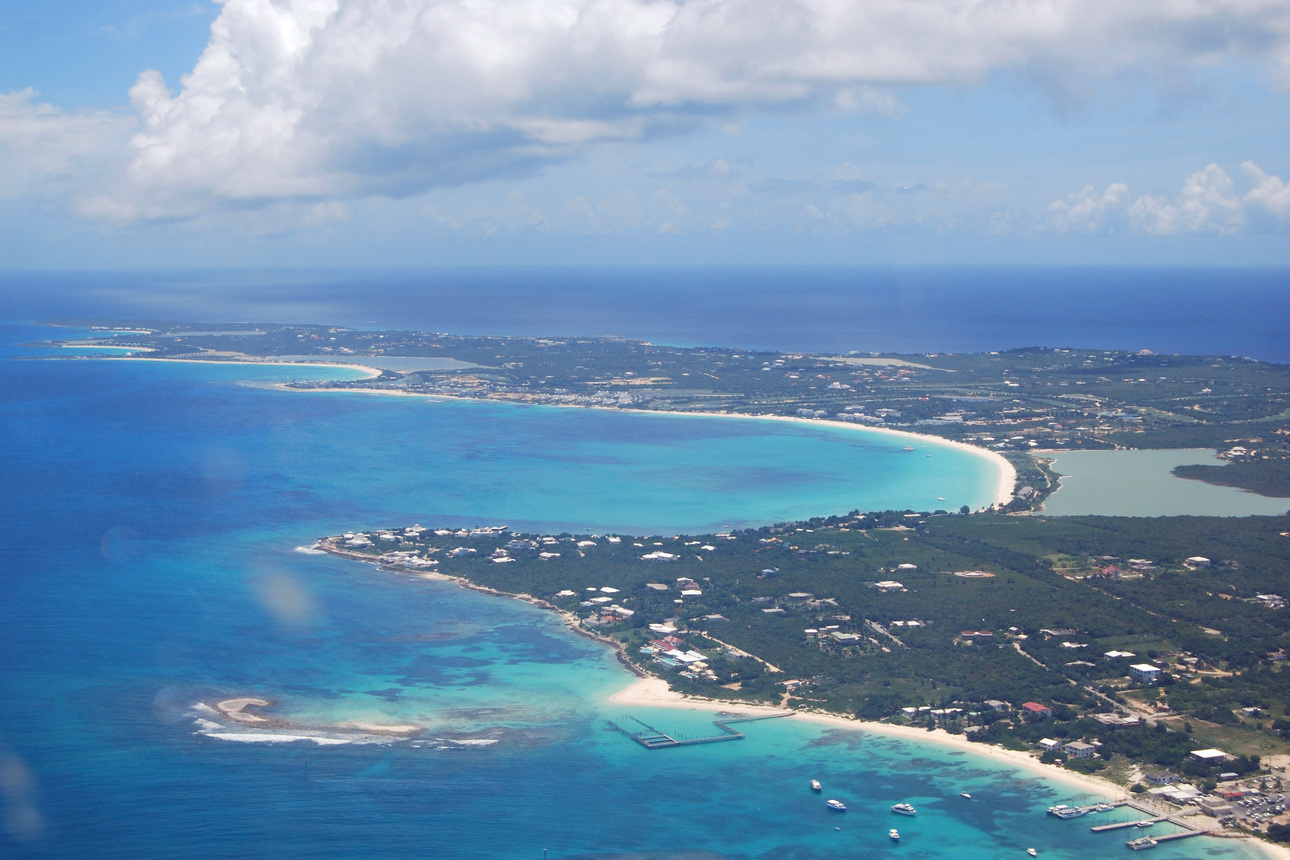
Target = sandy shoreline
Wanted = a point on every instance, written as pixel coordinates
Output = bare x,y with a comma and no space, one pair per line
371,372
653,692
1006,473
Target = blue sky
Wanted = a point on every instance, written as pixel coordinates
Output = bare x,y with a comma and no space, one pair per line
138,133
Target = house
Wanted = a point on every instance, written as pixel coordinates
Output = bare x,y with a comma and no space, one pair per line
1034,709
1119,655
1115,721
1197,561
996,705
887,585
1079,749
1049,745
1163,777
1144,673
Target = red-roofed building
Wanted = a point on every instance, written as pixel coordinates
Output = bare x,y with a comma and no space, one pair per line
1035,709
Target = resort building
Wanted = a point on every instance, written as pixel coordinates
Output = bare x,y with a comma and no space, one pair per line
1144,673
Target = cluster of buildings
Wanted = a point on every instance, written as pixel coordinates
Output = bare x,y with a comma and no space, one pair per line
671,652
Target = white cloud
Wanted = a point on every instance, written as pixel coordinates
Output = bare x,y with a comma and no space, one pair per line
1268,201
324,99
1089,211
1207,203
42,146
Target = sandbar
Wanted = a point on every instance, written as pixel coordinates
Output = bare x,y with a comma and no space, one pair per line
235,709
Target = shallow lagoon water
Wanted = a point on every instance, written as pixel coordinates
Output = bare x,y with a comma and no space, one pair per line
153,513
1139,484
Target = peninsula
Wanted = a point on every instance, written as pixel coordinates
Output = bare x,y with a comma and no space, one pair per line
1007,403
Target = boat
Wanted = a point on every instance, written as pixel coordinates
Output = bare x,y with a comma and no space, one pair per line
1061,810
815,785
893,834
836,805
904,809
1032,852
909,447
965,795
1143,842
1146,823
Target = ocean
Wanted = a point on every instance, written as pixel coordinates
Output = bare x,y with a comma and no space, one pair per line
153,514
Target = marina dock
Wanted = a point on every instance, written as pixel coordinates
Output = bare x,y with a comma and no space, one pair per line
1147,840
1122,824
652,739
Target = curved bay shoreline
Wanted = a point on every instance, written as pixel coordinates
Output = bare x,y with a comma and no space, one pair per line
652,691
1001,493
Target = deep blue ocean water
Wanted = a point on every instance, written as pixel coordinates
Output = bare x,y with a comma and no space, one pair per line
152,514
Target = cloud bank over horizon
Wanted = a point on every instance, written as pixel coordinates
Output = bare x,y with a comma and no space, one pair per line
319,98
314,105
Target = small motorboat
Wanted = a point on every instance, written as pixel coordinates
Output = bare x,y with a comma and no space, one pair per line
893,834
835,805
1032,852
815,785
965,795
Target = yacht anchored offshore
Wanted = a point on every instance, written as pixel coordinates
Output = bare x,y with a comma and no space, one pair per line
904,809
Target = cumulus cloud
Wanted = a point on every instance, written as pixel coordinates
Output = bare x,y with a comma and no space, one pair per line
319,99
1207,203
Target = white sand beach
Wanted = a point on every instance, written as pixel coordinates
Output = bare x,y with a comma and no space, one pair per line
654,693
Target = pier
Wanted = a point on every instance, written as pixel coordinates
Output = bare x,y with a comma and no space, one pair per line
652,739
1122,824
1186,830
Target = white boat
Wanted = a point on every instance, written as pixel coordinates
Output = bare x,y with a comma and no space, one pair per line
904,809
1140,844
965,795
815,785
1032,852
837,805
1146,823
893,834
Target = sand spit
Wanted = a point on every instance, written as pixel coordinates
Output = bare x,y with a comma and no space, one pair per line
236,710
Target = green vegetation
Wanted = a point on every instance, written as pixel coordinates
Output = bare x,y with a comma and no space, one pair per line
901,615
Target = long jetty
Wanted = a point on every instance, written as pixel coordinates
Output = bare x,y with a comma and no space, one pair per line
652,739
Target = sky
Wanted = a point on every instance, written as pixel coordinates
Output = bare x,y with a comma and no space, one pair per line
172,133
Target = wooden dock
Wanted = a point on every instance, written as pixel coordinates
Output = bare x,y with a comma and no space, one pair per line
652,739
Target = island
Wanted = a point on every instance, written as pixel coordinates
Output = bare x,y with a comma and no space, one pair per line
1011,403
1151,651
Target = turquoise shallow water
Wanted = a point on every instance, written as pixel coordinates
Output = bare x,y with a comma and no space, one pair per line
152,516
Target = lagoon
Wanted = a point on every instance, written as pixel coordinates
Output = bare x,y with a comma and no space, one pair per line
1138,483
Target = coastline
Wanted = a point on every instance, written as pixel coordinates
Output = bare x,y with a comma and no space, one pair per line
654,692
371,372
1005,472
